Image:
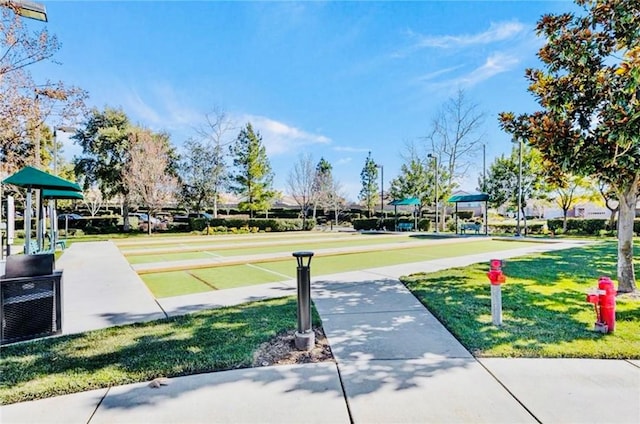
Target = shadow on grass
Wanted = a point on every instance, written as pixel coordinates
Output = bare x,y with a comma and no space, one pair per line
544,306
215,340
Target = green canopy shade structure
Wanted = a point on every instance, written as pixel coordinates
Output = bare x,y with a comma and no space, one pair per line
30,177
61,194
33,178
409,201
468,198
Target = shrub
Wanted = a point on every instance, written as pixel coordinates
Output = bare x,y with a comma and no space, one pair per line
365,224
424,224
465,214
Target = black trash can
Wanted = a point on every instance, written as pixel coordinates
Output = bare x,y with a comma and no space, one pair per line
30,298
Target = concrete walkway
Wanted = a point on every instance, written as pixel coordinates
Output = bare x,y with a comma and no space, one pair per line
395,363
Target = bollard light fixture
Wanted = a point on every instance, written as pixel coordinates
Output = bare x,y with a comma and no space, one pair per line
304,337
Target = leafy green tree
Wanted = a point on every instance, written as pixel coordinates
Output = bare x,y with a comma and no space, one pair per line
572,190
252,178
416,179
369,179
323,186
588,90
502,179
198,162
104,138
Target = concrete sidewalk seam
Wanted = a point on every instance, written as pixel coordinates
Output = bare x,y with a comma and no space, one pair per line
98,405
507,390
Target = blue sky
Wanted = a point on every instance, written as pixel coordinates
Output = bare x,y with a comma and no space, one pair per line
334,79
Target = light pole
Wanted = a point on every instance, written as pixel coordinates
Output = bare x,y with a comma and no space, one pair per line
519,185
55,145
435,162
484,168
26,9
381,190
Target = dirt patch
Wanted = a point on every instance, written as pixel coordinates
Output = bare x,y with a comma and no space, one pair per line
281,350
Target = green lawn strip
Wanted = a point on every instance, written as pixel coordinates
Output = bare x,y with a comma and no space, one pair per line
213,340
545,313
175,283
228,277
168,257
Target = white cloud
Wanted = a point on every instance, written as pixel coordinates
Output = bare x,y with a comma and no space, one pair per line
344,161
281,138
497,32
161,108
495,64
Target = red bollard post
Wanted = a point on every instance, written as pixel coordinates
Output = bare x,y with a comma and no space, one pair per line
607,300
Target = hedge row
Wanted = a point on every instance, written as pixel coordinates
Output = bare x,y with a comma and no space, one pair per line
262,224
587,226
367,224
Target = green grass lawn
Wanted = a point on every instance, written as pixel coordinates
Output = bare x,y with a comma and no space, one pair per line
545,313
177,283
214,340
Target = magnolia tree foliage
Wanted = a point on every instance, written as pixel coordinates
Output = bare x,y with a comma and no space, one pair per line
252,178
369,179
589,92
198,187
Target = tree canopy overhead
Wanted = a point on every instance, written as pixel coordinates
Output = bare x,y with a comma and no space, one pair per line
589,91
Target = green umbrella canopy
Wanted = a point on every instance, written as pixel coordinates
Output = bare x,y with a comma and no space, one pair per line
30,177
61,194
406,202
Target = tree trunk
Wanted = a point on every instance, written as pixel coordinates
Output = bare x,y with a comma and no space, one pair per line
215,205
564,220
125,214
626,215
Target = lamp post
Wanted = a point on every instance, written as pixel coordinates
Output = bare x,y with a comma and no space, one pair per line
518,234
435,162
381,190
484,168
26,9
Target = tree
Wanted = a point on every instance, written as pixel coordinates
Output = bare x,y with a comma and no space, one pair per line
369,179
336,199
323,186
416,179
455,137
92,199
588,90
104,138
215,135
572,190
610,202
147,174
197,167
25,105
252,178
300,182
502,179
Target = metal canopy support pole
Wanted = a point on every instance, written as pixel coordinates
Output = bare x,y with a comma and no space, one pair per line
27,223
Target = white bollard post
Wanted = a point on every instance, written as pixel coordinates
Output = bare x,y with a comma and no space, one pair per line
496,304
